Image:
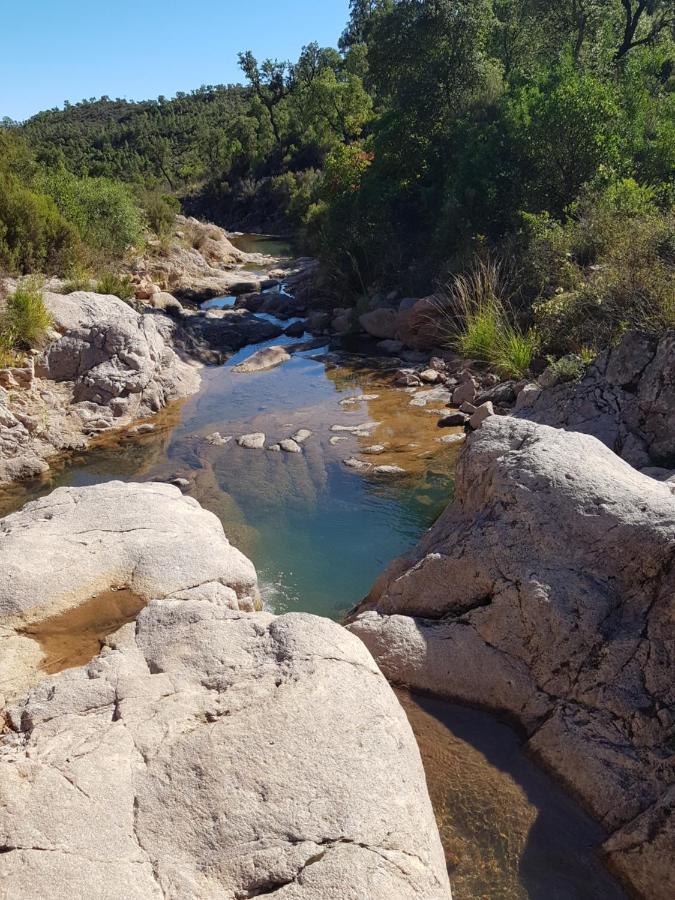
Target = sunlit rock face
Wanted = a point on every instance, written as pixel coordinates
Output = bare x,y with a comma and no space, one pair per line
207,749
546,591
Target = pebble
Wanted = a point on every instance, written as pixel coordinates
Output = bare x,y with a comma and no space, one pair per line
142,429
255,441
216,439
453,439
389,470
290,446
364,427
375,449
301,435
357,464
337,440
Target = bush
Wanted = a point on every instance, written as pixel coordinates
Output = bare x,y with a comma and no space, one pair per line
34,237
118,285
78,283
25,319
611,267
160,211
103,211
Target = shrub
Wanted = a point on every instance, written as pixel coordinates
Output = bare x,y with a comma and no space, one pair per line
25,319
160,211
118,285
33,234
103,211
76,283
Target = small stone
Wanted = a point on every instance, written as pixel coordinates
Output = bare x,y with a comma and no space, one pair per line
146,428
216,439
465,393
453,439
389,470
290,446
274,448
359,398
353,463
430,376
181,483
255,441
407,378
301,435
375,449
454,420
364,427
482,413
336,440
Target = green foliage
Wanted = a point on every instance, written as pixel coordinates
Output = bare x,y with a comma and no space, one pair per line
103,211
34,236
160,211
118,285
76,283
24,320
480,323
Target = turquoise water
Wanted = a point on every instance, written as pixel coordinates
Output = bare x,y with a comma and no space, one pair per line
318,532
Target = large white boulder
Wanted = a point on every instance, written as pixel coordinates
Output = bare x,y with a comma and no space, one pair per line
206,751
59,552
546,591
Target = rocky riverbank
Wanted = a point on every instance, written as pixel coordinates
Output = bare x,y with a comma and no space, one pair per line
218,720
545,592
107,363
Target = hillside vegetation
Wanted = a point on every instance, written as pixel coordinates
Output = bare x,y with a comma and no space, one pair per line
535,138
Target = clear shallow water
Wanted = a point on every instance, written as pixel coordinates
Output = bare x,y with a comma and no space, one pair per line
319,534
508,831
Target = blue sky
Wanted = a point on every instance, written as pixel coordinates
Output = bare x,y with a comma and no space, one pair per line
56,50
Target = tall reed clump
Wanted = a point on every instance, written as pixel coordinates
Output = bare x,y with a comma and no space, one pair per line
479,323
23,321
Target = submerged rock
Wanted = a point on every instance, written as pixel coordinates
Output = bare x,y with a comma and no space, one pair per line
290,446
255,441
546,591
267,358
205,751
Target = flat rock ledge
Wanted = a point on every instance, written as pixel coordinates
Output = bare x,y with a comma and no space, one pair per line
546,592
206,751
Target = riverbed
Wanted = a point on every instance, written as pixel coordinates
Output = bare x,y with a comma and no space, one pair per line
319,532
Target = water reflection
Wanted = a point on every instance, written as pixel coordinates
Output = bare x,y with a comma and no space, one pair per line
508,831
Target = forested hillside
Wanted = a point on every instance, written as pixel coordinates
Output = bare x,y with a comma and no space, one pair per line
533,140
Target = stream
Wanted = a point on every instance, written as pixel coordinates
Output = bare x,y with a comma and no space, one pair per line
319,534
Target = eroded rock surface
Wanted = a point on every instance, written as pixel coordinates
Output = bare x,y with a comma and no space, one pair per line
546,591
206,752
626,399
77,543
104,366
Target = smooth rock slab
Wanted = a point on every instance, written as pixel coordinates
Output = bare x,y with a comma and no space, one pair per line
267,358
78,543
208,753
